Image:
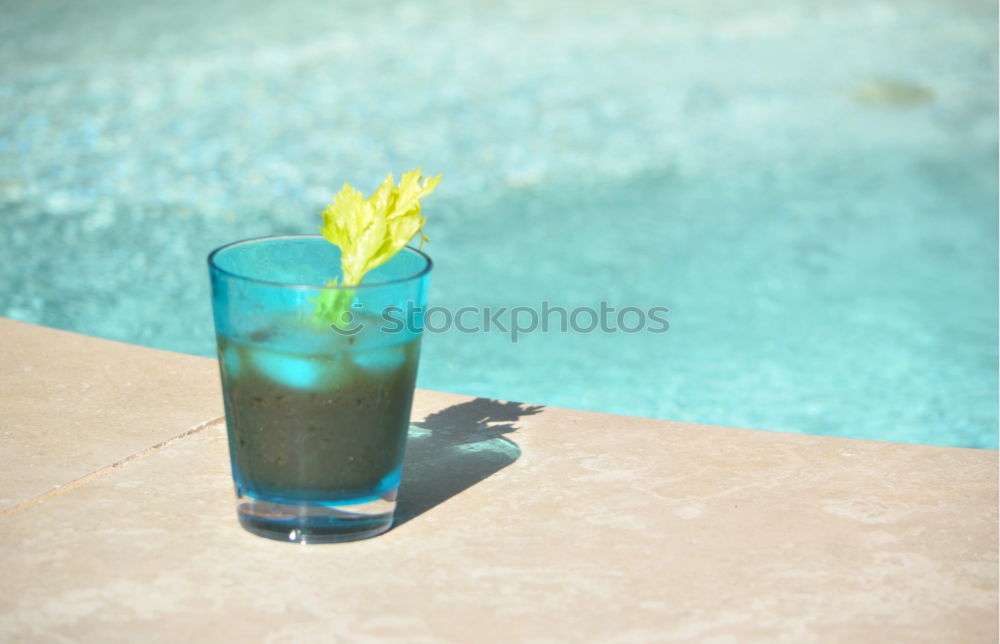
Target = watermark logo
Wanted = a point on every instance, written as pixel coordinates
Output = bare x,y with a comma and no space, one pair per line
514,321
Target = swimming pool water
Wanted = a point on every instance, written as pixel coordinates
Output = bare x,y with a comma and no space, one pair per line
811,189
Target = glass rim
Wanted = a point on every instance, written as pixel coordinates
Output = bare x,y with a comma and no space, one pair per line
312,287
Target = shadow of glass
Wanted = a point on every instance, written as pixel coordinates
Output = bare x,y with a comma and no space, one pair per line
455,448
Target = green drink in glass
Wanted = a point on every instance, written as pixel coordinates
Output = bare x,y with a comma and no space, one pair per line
318,375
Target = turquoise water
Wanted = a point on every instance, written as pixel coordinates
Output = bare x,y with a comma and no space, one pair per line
811,189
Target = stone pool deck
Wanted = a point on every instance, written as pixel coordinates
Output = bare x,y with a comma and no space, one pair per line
517,523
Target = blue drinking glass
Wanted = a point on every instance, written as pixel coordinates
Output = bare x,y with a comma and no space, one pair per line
317,414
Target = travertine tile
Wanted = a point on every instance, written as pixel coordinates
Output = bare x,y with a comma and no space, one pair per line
71,404
524,523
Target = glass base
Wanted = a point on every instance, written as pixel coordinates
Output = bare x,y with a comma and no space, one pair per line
315,522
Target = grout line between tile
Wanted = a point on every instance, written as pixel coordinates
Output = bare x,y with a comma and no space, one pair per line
104,471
